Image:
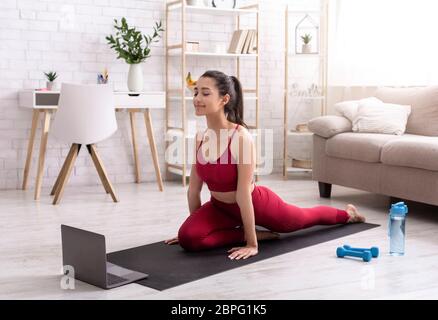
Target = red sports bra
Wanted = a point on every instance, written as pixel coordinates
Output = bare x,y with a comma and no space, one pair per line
221,175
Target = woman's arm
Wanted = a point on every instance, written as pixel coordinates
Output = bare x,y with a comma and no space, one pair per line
195,185
245,168
193,192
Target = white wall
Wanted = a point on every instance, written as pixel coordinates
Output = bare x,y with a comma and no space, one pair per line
69,36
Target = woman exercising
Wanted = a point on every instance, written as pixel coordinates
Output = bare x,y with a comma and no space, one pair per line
237,205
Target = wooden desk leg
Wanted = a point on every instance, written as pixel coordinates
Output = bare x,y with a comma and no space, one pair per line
43,145
35,117
134,146
148,122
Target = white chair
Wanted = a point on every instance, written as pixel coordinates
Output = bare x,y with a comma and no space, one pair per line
85,116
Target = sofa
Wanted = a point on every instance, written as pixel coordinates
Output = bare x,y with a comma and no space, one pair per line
401,166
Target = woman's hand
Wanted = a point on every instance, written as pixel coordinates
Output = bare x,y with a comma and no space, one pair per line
174,240
242,252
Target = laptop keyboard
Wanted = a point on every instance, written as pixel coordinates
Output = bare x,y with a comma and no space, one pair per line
113,279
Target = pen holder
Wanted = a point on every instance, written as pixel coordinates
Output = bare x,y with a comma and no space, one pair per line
101,79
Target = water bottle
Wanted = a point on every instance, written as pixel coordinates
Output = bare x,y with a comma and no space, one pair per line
396,228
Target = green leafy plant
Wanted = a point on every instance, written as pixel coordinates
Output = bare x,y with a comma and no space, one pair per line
51,76
306,38
130,44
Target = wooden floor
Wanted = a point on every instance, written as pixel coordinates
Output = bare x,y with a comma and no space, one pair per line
30,252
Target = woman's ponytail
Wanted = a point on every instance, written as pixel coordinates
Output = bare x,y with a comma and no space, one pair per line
236,111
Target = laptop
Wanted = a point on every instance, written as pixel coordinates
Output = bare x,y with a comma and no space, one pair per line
85,251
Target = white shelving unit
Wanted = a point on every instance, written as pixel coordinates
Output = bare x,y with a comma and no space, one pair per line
179,51
291,100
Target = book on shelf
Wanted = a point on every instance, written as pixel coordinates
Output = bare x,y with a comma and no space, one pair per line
247,41
234,40
253,44
243,41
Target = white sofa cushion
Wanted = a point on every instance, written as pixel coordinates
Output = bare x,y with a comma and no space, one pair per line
358,146
378,117
412,151
348,108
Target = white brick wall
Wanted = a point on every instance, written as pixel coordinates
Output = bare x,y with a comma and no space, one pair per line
69,36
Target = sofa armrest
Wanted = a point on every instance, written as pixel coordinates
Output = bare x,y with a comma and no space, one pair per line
328,126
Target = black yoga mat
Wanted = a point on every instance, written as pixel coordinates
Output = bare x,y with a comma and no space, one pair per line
170,265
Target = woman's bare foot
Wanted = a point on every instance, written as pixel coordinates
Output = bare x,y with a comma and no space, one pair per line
355,217
266,235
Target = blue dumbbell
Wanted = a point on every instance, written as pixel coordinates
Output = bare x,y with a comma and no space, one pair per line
342,252
374,250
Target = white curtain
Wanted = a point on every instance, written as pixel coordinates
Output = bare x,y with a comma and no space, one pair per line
383,42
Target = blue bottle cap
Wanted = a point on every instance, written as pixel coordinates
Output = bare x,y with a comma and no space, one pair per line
399,209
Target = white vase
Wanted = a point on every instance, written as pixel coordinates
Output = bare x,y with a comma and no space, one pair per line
135,77
306,48
50,85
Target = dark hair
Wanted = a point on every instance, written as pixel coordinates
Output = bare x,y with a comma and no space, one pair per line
229,85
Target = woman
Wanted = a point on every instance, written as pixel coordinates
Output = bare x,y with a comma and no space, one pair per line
237,205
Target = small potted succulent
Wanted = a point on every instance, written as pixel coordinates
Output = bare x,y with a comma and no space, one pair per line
306,48
51,77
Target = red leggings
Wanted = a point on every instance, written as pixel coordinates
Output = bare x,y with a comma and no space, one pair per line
217,224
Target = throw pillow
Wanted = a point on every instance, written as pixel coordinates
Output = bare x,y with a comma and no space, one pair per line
381,117
348,108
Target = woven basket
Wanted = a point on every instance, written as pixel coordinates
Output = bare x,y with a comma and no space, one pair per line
304,164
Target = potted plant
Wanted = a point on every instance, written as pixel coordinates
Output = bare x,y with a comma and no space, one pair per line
51,77
306,48
132,46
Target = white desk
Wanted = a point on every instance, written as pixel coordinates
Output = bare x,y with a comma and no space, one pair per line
45,102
